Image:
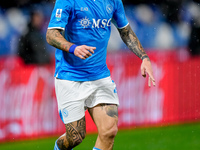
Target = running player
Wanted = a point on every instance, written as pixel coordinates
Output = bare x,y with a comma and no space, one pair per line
80,31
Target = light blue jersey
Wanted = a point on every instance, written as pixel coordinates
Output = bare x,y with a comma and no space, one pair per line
86,22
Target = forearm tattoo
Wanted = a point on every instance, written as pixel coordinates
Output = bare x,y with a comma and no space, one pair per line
55,38
132,42
75,133
111,110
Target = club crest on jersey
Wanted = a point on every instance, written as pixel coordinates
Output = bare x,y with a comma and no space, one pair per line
58,13
109,8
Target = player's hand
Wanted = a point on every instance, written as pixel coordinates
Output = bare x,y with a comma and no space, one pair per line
146,68
84,51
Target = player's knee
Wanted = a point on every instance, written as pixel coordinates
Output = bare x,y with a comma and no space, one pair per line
113,132
109,133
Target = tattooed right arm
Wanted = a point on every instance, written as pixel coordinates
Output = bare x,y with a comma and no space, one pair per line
55,38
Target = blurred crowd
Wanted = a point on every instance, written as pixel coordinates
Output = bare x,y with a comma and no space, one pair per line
159,24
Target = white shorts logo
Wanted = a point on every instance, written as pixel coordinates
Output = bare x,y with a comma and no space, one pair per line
65,112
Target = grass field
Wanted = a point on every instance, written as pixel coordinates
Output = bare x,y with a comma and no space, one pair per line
179,137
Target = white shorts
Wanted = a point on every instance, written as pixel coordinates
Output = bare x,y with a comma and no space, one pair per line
74,96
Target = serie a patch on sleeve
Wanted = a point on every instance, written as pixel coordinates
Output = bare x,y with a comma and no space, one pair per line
58,14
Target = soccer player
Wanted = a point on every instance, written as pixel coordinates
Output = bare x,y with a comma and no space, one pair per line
80,31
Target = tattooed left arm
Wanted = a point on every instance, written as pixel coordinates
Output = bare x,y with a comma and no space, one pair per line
132,42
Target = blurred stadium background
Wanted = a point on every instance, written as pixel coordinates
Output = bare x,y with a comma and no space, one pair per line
166,117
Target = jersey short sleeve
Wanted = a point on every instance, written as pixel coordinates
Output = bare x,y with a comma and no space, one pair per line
119,17
61,14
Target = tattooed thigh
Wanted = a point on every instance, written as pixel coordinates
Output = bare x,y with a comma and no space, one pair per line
111,109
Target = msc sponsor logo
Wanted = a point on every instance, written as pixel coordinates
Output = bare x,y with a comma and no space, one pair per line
101,23
85,22
96,23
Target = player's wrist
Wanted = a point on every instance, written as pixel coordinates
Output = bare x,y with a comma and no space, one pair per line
72,48
145,57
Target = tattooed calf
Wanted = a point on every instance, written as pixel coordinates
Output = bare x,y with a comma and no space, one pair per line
75,133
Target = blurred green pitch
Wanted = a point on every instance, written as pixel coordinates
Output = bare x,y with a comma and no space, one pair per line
178,137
